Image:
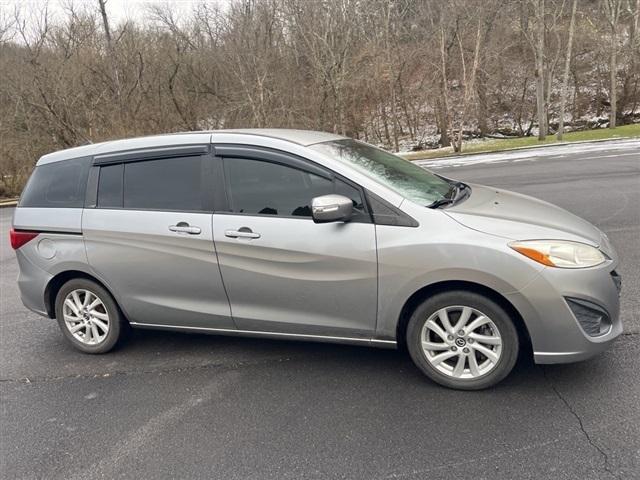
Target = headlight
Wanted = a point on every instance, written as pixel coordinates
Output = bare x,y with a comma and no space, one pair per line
560,253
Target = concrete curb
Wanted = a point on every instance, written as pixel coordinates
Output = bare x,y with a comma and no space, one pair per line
8,203
515,149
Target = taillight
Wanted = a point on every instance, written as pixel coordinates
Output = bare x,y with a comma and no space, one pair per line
19,238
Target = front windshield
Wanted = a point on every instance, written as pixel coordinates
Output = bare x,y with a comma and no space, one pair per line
406,178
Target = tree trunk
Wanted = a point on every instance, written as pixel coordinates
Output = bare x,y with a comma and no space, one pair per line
483,77
443,125
613,91
482,103
111,51
469,83
612,12
539,56
445,110
385,124
391,77
567,64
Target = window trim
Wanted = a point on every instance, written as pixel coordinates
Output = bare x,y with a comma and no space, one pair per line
91,194
223,152
156,153
265,154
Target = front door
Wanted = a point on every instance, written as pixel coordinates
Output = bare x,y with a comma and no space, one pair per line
283,272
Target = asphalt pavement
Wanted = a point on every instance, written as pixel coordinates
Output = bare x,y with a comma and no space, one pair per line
167,405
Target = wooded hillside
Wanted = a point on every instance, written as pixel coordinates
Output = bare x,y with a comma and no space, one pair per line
405,74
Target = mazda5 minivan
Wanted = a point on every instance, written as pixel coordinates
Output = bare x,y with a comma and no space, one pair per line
309,236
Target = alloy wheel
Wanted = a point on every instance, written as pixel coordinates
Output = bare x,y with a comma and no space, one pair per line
86,317
461,342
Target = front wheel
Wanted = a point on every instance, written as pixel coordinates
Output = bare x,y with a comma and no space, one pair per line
88,316
462,340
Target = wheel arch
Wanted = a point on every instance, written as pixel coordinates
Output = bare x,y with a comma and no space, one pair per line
448,285
57,281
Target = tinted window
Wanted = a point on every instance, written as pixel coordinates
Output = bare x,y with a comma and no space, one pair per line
167,184
259,187
59,184
110,186
353,193
386,214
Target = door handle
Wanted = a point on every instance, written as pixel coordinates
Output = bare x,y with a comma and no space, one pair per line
184,227
243,232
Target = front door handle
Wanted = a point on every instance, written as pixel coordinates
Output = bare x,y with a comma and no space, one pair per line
244,232
184,227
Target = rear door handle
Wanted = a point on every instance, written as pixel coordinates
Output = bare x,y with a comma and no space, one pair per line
243,232
184,227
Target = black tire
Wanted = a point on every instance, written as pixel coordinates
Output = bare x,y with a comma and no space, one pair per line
491,309
117,324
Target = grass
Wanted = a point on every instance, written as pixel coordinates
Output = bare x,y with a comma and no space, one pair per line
624,131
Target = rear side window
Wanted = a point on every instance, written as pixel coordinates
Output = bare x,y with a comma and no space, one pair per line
57,185
166,184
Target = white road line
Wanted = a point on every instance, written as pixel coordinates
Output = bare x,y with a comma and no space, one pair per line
636,154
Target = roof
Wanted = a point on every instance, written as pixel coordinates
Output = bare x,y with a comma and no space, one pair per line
300,137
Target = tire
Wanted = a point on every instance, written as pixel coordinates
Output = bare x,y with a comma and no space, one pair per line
455,367
83,329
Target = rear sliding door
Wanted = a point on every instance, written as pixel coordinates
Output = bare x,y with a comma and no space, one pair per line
149,237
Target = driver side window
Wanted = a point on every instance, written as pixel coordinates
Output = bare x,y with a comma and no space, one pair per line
268,188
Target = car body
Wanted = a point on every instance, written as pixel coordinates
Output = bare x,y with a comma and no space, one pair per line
177,230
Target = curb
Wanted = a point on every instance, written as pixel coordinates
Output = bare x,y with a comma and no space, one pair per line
9,203
515,149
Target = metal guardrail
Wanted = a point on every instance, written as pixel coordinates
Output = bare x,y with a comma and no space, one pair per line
9,202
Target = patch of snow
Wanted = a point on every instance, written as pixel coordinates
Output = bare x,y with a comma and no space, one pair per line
530,153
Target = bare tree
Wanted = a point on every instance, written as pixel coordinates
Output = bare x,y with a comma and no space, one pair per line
468,81
567,65
7,25
399,73
539,54
388,47
491,18
612,13
110,46
629,73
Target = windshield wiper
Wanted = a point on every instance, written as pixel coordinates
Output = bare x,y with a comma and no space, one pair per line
440,202
457,192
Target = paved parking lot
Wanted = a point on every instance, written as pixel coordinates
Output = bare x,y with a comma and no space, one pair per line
195,406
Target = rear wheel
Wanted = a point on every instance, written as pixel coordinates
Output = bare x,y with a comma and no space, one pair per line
88,316
462,340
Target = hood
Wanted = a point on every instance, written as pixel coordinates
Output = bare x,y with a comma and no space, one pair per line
520,217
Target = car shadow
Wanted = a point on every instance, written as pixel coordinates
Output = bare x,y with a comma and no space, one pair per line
197,345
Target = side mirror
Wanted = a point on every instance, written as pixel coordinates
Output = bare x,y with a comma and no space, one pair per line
331,208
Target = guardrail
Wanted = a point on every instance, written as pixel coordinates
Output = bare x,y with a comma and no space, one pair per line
8,202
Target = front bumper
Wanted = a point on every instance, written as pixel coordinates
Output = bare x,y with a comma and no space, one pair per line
556,334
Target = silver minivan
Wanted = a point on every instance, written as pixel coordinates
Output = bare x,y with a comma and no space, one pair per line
309,236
